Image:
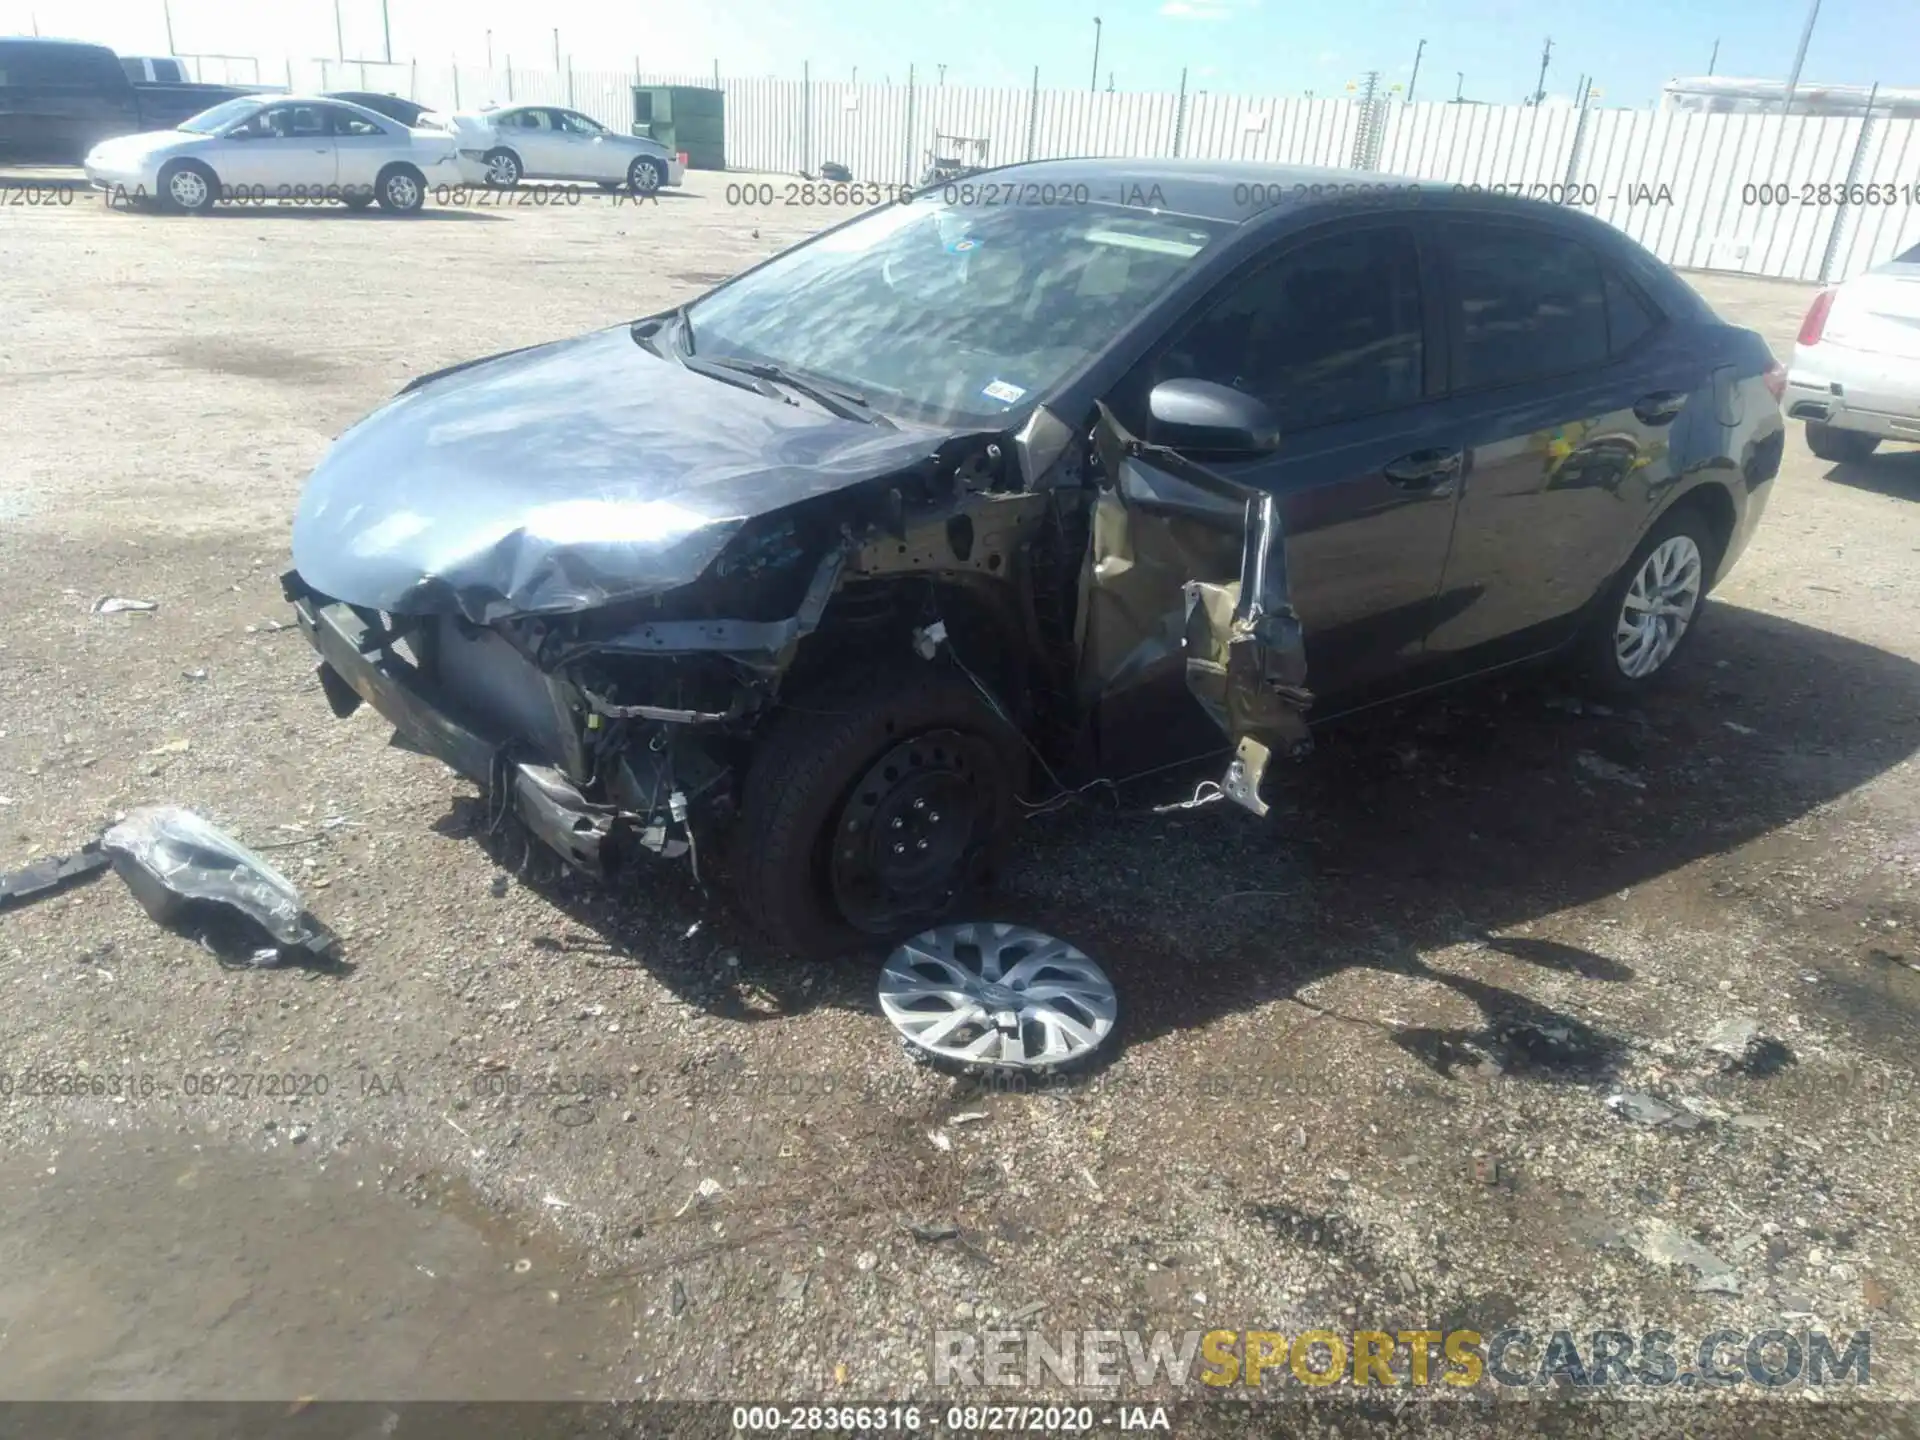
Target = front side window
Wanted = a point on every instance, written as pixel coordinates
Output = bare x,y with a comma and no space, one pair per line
1329,331
954,313
286,122
576,124
1531,305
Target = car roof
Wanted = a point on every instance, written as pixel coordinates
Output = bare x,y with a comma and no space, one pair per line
1240,191
276,99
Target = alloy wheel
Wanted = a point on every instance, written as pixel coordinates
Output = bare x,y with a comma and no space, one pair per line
1659,606
997,996
187,189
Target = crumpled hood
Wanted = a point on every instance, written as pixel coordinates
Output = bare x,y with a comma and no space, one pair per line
564,478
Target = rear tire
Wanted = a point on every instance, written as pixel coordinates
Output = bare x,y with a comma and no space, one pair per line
189,187
1631,643
841,840
401,189
1840,447
503,168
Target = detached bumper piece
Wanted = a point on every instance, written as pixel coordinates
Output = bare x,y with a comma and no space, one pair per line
358,663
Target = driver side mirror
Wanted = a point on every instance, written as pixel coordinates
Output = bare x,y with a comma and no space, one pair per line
1202,415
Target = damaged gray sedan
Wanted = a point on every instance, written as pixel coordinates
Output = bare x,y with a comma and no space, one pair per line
1067,472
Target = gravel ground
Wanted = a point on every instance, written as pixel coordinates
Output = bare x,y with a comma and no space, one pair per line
1367,1047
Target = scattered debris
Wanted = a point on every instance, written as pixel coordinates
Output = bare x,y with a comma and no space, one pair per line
1660,1243
1874,1291
1602,768
1645,1109
197,673
56,872
707,1189
270,627
1738,728
1732,1037
935,1232
119,605
678,1298
968,1117
179,745
941,1140
792,1289
189,875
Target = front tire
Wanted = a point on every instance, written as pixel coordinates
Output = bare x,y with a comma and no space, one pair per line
503,169
401,189
1652,608
1839,447
646,175
873,809
189,187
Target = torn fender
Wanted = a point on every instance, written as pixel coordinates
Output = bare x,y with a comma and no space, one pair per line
1245,653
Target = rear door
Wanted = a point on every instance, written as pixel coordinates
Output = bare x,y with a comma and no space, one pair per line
532,134
1568,384
361,148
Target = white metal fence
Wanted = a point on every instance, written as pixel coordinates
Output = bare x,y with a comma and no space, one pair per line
1794,197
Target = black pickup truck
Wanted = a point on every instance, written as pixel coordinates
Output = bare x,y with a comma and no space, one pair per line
60,98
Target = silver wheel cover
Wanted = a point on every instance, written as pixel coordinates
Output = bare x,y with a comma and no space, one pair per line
1659,606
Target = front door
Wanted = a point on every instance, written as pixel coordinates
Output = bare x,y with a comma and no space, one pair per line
284,150
1333,332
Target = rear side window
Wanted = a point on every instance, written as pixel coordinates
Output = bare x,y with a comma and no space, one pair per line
1330,331
1529,305
169,72
1629,318
345,122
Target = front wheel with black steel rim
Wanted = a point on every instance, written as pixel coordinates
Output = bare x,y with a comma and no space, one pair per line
646,175
401,189
873,808
1654,606
190,186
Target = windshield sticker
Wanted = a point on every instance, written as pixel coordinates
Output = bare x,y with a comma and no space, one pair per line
1000,390
962,245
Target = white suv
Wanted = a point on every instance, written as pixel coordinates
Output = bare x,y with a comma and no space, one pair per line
1855,377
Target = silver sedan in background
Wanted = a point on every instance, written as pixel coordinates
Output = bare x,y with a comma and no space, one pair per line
267,148
502,147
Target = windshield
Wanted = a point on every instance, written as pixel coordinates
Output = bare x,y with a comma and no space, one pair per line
952,313
208,122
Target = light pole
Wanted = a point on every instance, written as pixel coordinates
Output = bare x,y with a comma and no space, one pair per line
1540,89
167,11
943,74
556,49
489,52
1093,81
1414,79
1800,56
1460,85
1713,59
386,32
339,35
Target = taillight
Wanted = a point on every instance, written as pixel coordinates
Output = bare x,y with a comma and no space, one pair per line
1776,381
1815,324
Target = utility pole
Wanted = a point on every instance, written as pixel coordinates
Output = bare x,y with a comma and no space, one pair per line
339,35
489,52
386,32
1093,80
943,74
167,10
1109,82
1800,56
1460,85
1414,79
556,49
1540,90
1713,59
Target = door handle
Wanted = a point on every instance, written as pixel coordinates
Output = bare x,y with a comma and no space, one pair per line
1431,470
1660,407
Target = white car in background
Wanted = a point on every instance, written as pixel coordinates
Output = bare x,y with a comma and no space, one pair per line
1855,376
501,147
267,148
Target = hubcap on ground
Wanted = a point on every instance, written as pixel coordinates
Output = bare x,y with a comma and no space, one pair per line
911,831
188,189
998,996
1659,606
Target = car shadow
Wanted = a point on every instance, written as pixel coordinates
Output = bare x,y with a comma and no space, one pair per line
373,214
1418,826
1894,473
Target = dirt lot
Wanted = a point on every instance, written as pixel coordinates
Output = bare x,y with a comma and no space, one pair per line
1367,1047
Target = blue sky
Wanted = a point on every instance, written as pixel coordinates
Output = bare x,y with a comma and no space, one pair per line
1280,47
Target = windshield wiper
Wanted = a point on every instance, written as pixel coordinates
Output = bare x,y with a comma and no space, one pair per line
845,403
728,373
